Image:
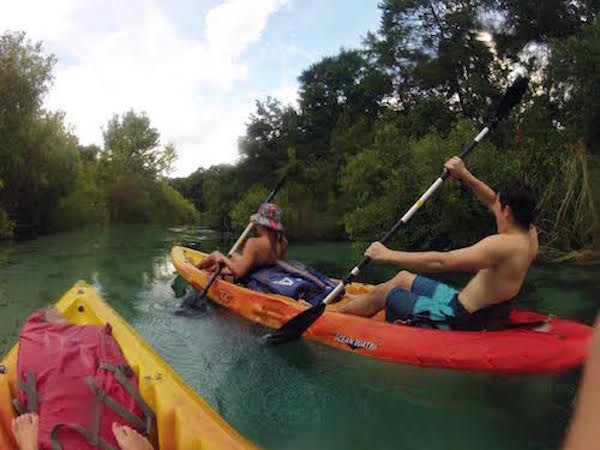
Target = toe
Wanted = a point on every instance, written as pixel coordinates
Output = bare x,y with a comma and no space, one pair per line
118,431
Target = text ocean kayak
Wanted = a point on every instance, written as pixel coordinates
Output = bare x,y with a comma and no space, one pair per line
184,420
556,346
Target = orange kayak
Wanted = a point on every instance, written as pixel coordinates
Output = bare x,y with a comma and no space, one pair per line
555,346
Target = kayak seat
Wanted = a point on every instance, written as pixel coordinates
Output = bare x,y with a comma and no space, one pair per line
294,280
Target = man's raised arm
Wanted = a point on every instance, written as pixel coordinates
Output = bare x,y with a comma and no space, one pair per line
457,170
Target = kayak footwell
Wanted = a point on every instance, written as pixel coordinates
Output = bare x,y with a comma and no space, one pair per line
183,419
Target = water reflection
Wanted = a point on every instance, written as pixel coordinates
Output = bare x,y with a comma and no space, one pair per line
303,394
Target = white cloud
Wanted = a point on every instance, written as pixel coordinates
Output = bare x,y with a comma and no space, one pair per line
116,55
234,24
42,20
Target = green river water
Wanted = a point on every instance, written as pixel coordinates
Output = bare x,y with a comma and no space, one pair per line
301,395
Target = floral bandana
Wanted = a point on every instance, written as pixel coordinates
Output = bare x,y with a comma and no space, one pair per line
268,215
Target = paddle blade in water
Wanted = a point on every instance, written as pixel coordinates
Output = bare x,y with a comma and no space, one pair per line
193,305
296,326
193,300
513,95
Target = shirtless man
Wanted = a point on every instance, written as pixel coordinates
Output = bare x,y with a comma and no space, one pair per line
264,250
500,260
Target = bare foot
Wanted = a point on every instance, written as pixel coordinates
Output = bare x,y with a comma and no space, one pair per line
25,428
129,439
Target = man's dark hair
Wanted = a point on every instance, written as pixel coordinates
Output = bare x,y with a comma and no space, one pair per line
521,201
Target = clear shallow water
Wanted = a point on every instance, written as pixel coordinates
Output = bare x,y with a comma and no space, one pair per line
302,394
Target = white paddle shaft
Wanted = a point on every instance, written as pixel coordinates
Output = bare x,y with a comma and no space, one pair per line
240,239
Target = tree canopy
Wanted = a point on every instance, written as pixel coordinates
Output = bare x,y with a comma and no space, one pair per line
49,182
373,126
371,129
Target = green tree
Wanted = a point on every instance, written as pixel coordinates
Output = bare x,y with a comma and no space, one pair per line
270,134
192,187
435,48
222,188
32,143
520,23
131,146
131,168
346,82
375,124
386,179
84,204
25,76
89,153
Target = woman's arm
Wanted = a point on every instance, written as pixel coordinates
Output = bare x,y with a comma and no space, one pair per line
241,265
209,261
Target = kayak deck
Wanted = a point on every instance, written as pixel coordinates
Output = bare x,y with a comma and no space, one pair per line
556,346
183,419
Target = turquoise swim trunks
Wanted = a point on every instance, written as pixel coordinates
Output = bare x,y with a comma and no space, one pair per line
429,304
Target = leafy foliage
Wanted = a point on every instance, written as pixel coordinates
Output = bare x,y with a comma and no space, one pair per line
374,126
372,129
49,182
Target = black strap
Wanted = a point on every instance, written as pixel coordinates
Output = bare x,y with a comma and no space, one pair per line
96,412
121,376
18,406
102,398
526,325
29,387
99,442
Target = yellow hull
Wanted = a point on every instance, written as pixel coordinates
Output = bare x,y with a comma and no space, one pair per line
184,420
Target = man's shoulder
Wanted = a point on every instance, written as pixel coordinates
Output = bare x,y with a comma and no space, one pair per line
504,238
499,244
495,239
510,244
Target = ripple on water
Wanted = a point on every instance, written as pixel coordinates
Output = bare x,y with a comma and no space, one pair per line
301,395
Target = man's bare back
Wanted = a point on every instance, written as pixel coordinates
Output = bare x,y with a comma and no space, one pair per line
502,281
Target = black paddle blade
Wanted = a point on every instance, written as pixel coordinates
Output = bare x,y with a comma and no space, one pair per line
193,312
193,305
513,95
296,326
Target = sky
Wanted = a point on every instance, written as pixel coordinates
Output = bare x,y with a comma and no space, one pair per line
195,67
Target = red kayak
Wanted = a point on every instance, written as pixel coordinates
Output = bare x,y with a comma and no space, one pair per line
552,345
